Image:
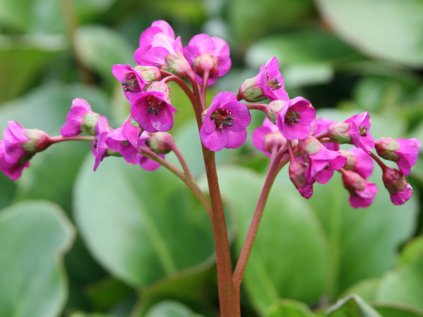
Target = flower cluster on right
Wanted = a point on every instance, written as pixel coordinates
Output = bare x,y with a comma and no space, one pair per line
313,144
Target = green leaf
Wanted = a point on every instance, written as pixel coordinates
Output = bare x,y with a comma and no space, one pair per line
397,35
23,58
352,306
289,308
89,315
389,310
99,48
33,238
170,308
143,227
288,258
7,191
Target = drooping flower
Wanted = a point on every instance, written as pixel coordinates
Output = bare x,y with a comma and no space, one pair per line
159,47
153,111
124,140
321,162
268,137
225,123
358,161
297,173
268,83
399,189
210,55
296,118
404,152
320,129
362,192
11,170
80,118
99,146
131,80
359,131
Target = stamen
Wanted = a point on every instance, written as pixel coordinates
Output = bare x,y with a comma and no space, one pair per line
292,117
131,83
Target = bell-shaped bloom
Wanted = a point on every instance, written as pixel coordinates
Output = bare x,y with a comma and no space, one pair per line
209,55
225,123
124,140
99,147
13,170
268,83
159,47
399,189
404,152
297,173
15,139
145,162
359,131
296,118
362,192
131,80
80,118
267,138
153,111
321,127
321,162
358,161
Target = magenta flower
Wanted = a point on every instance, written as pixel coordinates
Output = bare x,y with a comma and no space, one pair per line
15,139
124,140
359,131
153,111
80,118
13,170
322,163
132,82
321,127
225,124
399,189
358,161
210,55
362,192
159,47
99,147
404,152
268,84
268,137
145,162
296,118
297,174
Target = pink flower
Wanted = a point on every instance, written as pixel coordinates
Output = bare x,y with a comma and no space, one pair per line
399,189
14,140
99,146
268,83
296,118
321,162
297,174
153,111
145,162
132,82
359,131
268,137
225,124
124,140
13,170
210,55
80,118
404,152
321,127
159,47
358,161
362,192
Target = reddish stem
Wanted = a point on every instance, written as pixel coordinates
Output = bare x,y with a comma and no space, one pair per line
59,138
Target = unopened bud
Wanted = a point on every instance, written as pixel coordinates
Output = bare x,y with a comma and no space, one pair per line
396,184
386,147
37,141
250,91
89,123
161,142
297,175
339,132
148,73
205,63
178,65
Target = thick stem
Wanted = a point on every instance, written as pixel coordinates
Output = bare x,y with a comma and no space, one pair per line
59,138
276,163
189,181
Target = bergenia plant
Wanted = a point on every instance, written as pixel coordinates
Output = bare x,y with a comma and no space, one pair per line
290,135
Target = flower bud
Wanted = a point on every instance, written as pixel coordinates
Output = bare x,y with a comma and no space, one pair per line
386,148
205,63
160,86
148,73
37,141
274,108
89,122
297,171
399,189
250,91
178,65
160,142
362,192
339,132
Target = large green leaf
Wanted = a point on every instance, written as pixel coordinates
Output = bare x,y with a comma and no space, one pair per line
289,308
143,227
352,306
23,58
33,238
397,35
170,308
389,310
287,260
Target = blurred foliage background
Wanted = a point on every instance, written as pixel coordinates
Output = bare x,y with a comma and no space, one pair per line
123,242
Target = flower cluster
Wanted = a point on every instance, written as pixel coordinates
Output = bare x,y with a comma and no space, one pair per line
290,132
